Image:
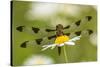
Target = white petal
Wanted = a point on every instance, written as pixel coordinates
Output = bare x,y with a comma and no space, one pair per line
75,38
47,46
53,46
44,45
44,48
61,44
69,43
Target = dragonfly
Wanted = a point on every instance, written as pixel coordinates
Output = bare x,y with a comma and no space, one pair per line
59,31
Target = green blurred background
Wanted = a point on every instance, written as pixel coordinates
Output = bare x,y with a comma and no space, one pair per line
24,14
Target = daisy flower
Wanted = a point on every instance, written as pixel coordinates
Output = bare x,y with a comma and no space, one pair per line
41,10
61,41
93,39
38,59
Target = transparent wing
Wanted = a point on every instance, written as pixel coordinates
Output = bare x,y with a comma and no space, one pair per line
78,27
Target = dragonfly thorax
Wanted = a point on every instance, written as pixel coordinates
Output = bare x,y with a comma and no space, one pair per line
59,30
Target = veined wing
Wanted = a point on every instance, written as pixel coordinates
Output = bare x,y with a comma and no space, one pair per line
77,28
41,34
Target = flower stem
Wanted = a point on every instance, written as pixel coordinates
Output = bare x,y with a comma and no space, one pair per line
65,54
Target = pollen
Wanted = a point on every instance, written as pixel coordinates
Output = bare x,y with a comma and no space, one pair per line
61,39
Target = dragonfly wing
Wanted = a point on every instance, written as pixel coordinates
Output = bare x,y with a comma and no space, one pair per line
24,44
75,26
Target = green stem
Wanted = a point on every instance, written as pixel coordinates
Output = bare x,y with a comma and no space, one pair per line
65,54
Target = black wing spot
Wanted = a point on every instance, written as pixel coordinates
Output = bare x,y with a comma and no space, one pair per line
78,23
49,30
59,50
20,28
36,30
89,17
67,27
24,44
38,41
90,31
68,34
78,33
51,37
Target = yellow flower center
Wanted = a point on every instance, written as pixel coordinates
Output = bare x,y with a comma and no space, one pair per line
61,39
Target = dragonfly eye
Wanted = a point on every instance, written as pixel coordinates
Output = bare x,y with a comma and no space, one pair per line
59,26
